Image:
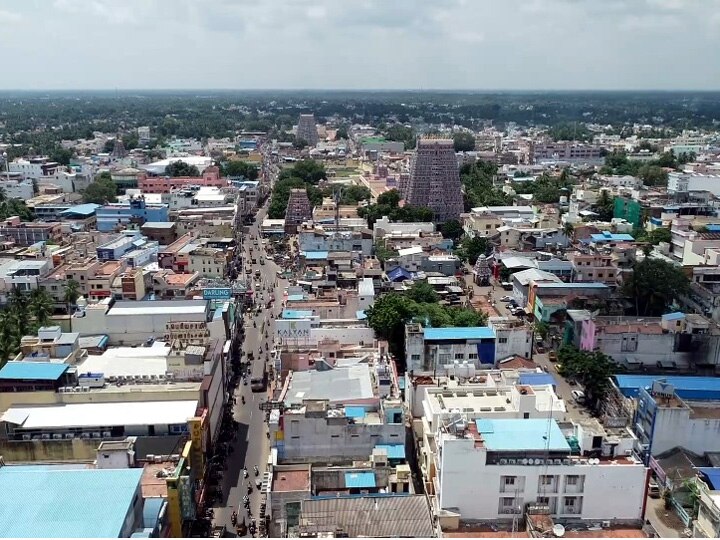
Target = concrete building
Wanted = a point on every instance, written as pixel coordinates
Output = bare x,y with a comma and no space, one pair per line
15,186
430,350
307,129
513,337
298,210
434,179
685,182
27,234
209,262
313,237
117,216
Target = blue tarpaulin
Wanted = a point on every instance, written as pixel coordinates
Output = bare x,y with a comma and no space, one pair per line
394,451
712,476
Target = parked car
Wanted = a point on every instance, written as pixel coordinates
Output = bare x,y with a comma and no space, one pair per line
507,298
506,285
578,396
653,489
552,356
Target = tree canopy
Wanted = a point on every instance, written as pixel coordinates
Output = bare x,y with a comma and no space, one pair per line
240,168
22,316
102,191
650,172
546,188
591,369
571,131
388,205
654,285
471,248
463,141
452,229
399,132
307,170
477,179
180,168
389,314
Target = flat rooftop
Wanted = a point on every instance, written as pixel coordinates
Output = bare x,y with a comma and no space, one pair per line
159,307
294,480
128,361
522,434
336,385
92,415
49,502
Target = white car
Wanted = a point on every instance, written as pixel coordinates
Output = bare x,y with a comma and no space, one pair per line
506,298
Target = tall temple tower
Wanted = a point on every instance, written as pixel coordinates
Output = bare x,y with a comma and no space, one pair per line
435,180
298,210
307,129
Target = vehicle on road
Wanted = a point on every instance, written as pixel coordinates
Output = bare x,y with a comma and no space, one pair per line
506,298
506,285
578,396
552,356
653,489
258,378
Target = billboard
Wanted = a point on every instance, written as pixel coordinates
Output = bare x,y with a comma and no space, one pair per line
217,294
293,329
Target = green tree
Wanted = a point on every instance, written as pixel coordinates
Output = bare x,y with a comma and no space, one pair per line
307,170
61,155
353,194
342,133
570,131
605,206
654,285
463,141
299,144
591,369
382,252
102,191
240,168
471,248
658,235
390,198
569,230
452,229
180,168
42,306
653,175
387,317
71,293
542,329
399,132
423,293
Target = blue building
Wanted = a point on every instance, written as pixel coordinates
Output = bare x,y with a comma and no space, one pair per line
117,215
432,350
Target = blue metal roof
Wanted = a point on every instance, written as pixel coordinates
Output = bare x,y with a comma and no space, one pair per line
394,451
673,316
64,503
470,332
355,412
713,228
511,434
360,480
703,388
609,237
712,476
81,210
535,379
296,313
35,371
315,255
360,315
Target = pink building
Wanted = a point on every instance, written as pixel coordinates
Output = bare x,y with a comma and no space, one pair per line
164,184
587,336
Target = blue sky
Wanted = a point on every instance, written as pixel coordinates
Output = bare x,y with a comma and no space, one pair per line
416,44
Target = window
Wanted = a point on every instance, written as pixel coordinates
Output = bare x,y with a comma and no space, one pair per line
508,480
546,480
472,356
502,340
572,480
416,357
459,356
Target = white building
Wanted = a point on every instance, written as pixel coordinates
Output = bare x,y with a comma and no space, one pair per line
16,188
366,293
684,182
384,226
513,337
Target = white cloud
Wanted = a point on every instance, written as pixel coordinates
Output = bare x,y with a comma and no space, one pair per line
360,43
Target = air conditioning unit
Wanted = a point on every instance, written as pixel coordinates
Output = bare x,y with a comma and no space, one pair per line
26,437
606,524
95,434
150,458
503,462
61,390
106,434
85,435
85,388
69,435
511,462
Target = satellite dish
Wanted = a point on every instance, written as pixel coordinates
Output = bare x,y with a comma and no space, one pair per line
558,531
524,461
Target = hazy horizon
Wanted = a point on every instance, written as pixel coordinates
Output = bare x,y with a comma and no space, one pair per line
404,45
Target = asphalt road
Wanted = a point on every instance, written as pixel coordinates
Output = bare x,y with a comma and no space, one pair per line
252,446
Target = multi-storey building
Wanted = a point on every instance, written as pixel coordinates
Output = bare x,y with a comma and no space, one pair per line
307,129
164,184
434,179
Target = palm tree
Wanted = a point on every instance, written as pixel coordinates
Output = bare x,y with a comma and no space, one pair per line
10,336
42,306
18,310
71,293
568,230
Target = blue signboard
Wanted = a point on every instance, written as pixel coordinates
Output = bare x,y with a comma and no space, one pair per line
217,294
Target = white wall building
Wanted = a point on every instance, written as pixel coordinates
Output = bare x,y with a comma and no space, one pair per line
513,337
21,188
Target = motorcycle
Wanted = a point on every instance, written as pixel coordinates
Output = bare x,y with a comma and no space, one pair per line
245,473
257,471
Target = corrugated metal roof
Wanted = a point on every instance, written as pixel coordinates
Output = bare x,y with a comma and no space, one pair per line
63,503
470,332
315,255
712,476
685,387
355,412
363,479
394,451
390,516
37,371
